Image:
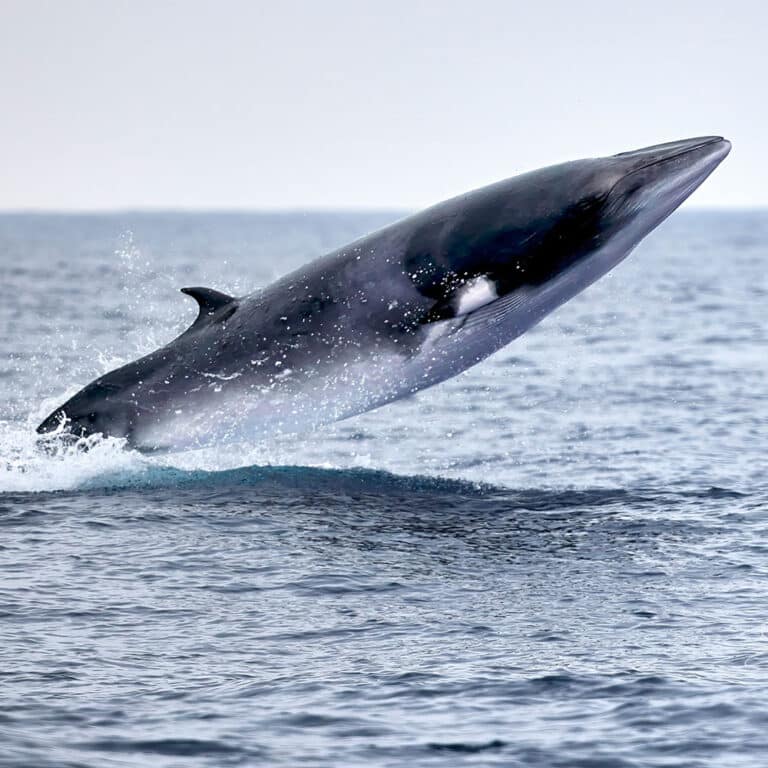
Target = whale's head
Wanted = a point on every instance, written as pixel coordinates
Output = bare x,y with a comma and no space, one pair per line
550,233
639,189
597,210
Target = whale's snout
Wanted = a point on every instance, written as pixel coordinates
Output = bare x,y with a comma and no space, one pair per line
653,181
677,165
715,147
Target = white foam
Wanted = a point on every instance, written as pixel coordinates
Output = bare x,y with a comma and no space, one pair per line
26,466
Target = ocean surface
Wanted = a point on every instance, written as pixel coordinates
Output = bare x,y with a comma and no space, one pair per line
559,558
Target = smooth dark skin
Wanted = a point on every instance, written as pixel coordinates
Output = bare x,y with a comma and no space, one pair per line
379,295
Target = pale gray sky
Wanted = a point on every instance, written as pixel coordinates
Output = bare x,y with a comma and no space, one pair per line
334,103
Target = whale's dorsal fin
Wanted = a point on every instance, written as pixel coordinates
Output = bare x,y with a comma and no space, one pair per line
210,302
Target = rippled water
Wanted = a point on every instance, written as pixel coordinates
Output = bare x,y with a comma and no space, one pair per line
556,559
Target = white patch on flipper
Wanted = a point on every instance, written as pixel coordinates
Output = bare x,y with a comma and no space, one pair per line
475,294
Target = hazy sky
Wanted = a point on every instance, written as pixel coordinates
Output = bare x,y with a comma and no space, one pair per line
251,104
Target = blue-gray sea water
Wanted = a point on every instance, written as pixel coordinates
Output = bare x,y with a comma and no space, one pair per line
559,558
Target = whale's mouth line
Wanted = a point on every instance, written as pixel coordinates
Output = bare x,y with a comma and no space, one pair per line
668,159
681,153
702,141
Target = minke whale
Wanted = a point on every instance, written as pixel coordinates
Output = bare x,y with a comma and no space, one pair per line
395,312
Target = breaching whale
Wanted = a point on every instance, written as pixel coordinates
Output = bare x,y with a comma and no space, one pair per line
394,312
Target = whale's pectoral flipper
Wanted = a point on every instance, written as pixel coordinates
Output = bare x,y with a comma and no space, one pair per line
210,302
482,311
468,297
519,303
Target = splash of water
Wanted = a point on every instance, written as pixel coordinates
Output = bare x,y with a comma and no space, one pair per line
26,465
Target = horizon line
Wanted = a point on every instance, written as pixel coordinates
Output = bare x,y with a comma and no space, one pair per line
309,209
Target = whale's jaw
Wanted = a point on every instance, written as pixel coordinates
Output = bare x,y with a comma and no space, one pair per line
655,181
